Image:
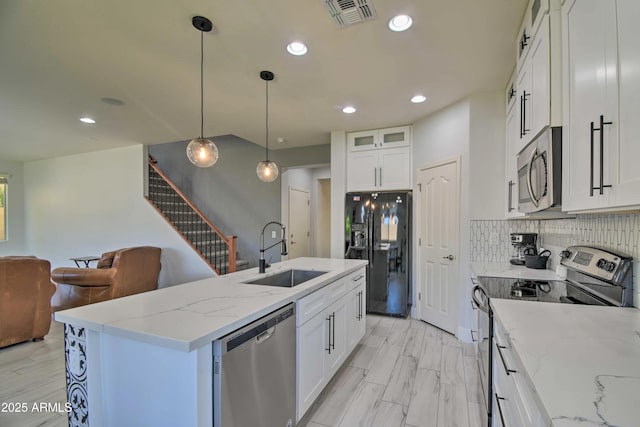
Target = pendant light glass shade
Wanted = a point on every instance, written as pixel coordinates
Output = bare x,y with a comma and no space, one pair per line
200,151
267,171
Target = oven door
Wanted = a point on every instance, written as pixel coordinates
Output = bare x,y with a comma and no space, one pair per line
534,176
481,302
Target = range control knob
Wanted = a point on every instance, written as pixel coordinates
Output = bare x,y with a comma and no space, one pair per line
611,266
602,263
565,254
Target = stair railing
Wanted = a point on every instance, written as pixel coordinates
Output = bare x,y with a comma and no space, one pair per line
216,249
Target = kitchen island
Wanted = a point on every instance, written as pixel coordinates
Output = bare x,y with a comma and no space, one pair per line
581,362
146,359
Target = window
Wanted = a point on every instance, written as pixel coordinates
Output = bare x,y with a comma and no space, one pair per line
3,208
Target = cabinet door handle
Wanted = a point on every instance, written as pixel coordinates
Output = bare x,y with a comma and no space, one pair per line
506,369
524,112
510,188
591,164
329,329
375,178
380,176
524,41
498,399
602,186
521,121
333,329
602,124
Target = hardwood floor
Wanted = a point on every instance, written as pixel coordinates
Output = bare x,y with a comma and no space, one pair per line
404,373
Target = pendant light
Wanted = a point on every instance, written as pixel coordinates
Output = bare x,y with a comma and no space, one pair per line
200,151
267,170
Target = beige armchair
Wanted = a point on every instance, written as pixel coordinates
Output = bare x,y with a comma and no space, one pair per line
119,273
25,299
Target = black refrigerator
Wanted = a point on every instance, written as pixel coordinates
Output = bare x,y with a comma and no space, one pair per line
378,229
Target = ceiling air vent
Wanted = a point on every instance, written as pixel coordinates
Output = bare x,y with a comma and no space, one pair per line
349,12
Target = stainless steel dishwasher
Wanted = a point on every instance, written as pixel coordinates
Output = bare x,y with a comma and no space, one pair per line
254,373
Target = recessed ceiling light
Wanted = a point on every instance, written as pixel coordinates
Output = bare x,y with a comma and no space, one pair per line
349,110
87,120
400,23
296,48
418,99
280,140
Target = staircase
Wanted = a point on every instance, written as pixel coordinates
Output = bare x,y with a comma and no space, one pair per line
216,249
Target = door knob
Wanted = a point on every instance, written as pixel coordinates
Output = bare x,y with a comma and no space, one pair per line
450,257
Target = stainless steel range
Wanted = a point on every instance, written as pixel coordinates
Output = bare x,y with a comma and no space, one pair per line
594,277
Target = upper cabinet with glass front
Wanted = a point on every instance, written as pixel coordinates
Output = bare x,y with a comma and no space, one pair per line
379,159
379,138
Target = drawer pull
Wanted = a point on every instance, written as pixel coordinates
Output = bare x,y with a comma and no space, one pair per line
355,279
472,338
498,399
507,370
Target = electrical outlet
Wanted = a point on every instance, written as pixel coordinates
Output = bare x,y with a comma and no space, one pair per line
273,234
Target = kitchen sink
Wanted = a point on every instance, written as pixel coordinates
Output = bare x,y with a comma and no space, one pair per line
287,278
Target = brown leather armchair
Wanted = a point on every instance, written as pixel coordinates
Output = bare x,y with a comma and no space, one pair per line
25,299
119,273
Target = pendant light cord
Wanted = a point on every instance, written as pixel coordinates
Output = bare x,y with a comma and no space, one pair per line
201,84
266,82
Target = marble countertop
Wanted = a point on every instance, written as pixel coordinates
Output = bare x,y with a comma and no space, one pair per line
185,317
505,269
583,361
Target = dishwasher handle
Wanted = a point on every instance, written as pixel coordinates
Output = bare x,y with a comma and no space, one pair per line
266,335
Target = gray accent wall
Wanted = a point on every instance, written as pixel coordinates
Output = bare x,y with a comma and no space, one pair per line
229,193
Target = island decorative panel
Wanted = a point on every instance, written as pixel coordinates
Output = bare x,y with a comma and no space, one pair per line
75,349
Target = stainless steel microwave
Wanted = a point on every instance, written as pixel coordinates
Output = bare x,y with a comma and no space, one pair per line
540,172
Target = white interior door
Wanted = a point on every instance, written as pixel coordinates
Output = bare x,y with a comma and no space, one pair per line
299,223
439,244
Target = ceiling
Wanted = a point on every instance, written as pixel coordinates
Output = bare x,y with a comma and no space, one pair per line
60,58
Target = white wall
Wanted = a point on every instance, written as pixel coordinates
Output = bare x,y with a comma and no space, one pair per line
92,203
304,179
472,129
15,245
338,191
487,152
441,136
323,213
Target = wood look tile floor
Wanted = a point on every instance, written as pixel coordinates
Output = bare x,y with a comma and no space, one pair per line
404,373
34,373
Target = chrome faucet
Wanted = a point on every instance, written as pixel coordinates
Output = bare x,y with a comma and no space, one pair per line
262,265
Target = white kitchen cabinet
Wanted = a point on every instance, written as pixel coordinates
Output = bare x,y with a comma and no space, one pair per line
513,143
337,353
356,323
379,159
326,335
601,133
534,91
313,339
536,10
514,400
